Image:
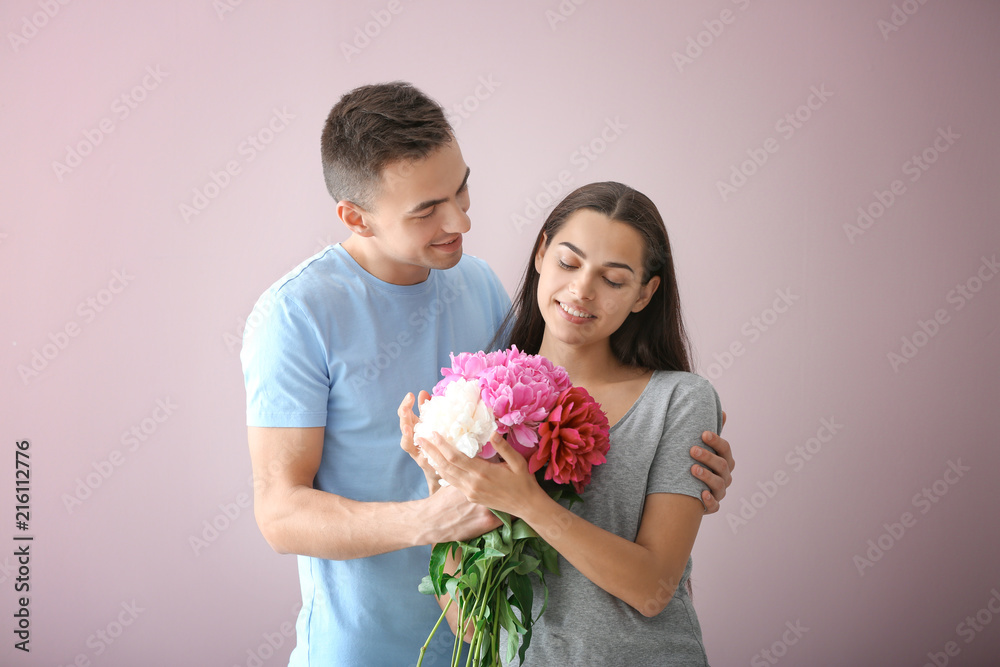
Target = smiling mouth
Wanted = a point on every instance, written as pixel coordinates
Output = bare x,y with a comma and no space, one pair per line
447,243
574,312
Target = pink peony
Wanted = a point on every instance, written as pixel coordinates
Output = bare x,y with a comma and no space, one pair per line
520,389
573,440
468,366
520,399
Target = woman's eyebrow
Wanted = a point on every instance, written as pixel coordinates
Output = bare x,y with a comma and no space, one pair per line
611,265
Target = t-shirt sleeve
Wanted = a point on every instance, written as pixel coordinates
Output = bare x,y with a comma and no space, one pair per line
285,366
694,407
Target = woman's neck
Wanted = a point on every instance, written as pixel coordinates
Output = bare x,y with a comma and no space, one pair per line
587,365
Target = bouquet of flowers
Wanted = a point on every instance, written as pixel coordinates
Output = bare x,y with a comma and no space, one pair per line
562,432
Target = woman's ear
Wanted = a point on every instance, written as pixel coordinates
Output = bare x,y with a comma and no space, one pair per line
540,255
353,216
646,293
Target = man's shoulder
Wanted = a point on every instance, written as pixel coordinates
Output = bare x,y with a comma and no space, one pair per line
324,275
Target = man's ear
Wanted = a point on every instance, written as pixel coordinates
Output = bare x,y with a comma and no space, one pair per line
354,216
646,293
541,252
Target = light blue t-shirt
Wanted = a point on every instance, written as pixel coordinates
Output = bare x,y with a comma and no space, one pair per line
331,345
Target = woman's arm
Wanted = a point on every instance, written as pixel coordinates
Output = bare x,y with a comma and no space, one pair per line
644,573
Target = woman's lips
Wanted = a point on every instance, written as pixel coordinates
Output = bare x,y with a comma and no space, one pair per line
575,315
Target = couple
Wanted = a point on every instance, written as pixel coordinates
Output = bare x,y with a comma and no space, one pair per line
343,335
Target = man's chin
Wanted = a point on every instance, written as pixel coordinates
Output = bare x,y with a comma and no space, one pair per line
449,261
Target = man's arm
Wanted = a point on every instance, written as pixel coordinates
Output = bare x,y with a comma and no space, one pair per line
296,518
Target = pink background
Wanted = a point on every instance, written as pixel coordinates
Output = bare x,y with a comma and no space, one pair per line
528,90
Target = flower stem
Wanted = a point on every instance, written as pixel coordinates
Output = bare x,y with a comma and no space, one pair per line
423,649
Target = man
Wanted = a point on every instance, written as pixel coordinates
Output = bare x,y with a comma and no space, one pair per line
340,339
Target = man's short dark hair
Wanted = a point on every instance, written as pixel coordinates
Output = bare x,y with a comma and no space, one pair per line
373,126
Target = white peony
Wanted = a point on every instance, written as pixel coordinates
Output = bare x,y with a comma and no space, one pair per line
459,416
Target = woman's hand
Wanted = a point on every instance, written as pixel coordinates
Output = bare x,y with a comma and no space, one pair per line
506,486
407,420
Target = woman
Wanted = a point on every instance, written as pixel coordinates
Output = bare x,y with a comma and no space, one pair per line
600,299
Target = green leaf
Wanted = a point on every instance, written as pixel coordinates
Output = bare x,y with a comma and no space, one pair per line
528,564
520,586
436,567
493,540
513,627
549,556
545,599
503,516
451,586
489,553
505,535
521,530
426,587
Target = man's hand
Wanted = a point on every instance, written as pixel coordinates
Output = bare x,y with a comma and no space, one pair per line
446,513
450,517
407,420
716,469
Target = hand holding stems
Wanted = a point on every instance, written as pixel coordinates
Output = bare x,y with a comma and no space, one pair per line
506,486
635,572
486,520
716,469
448,514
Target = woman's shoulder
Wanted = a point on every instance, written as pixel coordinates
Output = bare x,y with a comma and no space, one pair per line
683,382
679,389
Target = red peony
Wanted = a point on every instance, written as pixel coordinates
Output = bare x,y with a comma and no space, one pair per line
573,440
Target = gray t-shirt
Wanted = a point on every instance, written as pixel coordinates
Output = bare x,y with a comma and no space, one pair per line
649,453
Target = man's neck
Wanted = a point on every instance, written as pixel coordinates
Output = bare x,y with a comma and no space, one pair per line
384,269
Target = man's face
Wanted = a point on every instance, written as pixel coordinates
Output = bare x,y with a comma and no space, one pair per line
419,216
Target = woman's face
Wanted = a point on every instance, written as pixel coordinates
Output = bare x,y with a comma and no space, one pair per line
590,278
